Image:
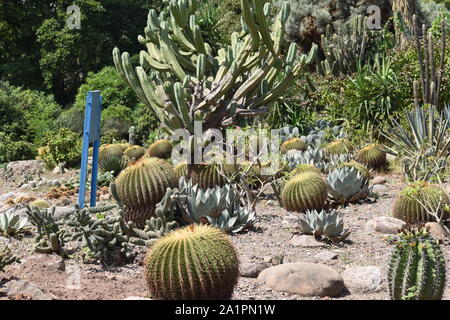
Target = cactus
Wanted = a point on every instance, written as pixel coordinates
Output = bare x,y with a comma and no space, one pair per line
347,185
372,156
181,170
111,159
39,203
292,144
339,146
210,175
134,153
182,80
302,168
358,166
160,149
409,205
6,257
141,186
303,192
197,262
11,224
416,268
132,136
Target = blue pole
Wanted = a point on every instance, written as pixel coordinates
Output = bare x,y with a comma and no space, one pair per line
95,161
85,150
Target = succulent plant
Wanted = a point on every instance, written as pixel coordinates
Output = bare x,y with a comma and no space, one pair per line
233,221
347,185
292,144
310,156
303,192
324,225
160,149
111,159
365,172
11,224
141,186
134,153
210,175
372,156
302,168
40,203
417,267
181,170
6,258
338,146
49,237
197,262
410,205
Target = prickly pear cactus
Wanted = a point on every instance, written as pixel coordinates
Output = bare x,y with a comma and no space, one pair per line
417,267
292,144
339,146
409,204
197,262
372,156
134,153
141,186
160,149
306,191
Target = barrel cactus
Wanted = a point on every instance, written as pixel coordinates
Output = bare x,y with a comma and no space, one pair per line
372,156
306,191
181,170
409,204
339,146
134,153
111,159
209,175
141,186
198,262
302,168
292,144
416,268
160,149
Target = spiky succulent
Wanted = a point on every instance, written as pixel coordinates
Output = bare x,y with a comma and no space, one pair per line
417,267
134,153
49,237
365,172
338,146
324,224
347,185
181,170
303,192
412,203
111,159
160,149
6,258
292,144
234,220
141,186
11,224
372,156
310,156
197,262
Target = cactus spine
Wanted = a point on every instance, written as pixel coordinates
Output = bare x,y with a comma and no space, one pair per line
339,146
197,262
417,267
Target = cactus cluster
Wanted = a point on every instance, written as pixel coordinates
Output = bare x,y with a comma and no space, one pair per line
416,268
197,262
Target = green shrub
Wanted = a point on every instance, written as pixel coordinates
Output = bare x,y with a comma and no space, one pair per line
62,146
15,150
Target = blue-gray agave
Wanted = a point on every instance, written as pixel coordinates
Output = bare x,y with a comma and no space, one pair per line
234,221
11,224
310,156
323,224
346,185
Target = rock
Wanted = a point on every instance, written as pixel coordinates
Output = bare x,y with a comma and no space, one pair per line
105,197
380,189
436,230
326,255
267,259
387,225
379,180
24,186
362,279
56,183
306,241
64,202
7,196
305,279
252,269
63,212
33,184
25,289
136,298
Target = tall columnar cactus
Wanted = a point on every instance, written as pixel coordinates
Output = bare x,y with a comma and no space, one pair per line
134,153
141,186
132,135
412,202
292,144
417,267
372,156
182,80
160,149
338,146
306,191
197,262
111,159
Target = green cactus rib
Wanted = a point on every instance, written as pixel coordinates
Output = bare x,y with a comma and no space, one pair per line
372,157
416,268
160,149
197,262
306,191
141,186
409,204
302,168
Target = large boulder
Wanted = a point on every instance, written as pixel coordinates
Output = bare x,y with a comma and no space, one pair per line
387,225
26,290
362,279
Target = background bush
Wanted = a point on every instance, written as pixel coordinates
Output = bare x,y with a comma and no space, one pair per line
63,145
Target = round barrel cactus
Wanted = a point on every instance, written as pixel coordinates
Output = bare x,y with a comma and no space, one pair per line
134,153
210,175
292,144
372,156
198,262
160,149
408,205
110,158
339,146
358,166
142,185
124,146
306,191
181,170
302,168
416,268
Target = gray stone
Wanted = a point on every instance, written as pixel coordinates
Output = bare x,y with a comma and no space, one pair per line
306,241
436,230
7,196
63,212
56,183
387,225
305,279
24,288
252,269
379,180
33,184
362,279
326,255
380,189
24,186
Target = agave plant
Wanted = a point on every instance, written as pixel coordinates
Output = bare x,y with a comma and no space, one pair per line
346,185
425,147
234,221
11,224
309,156
324,225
